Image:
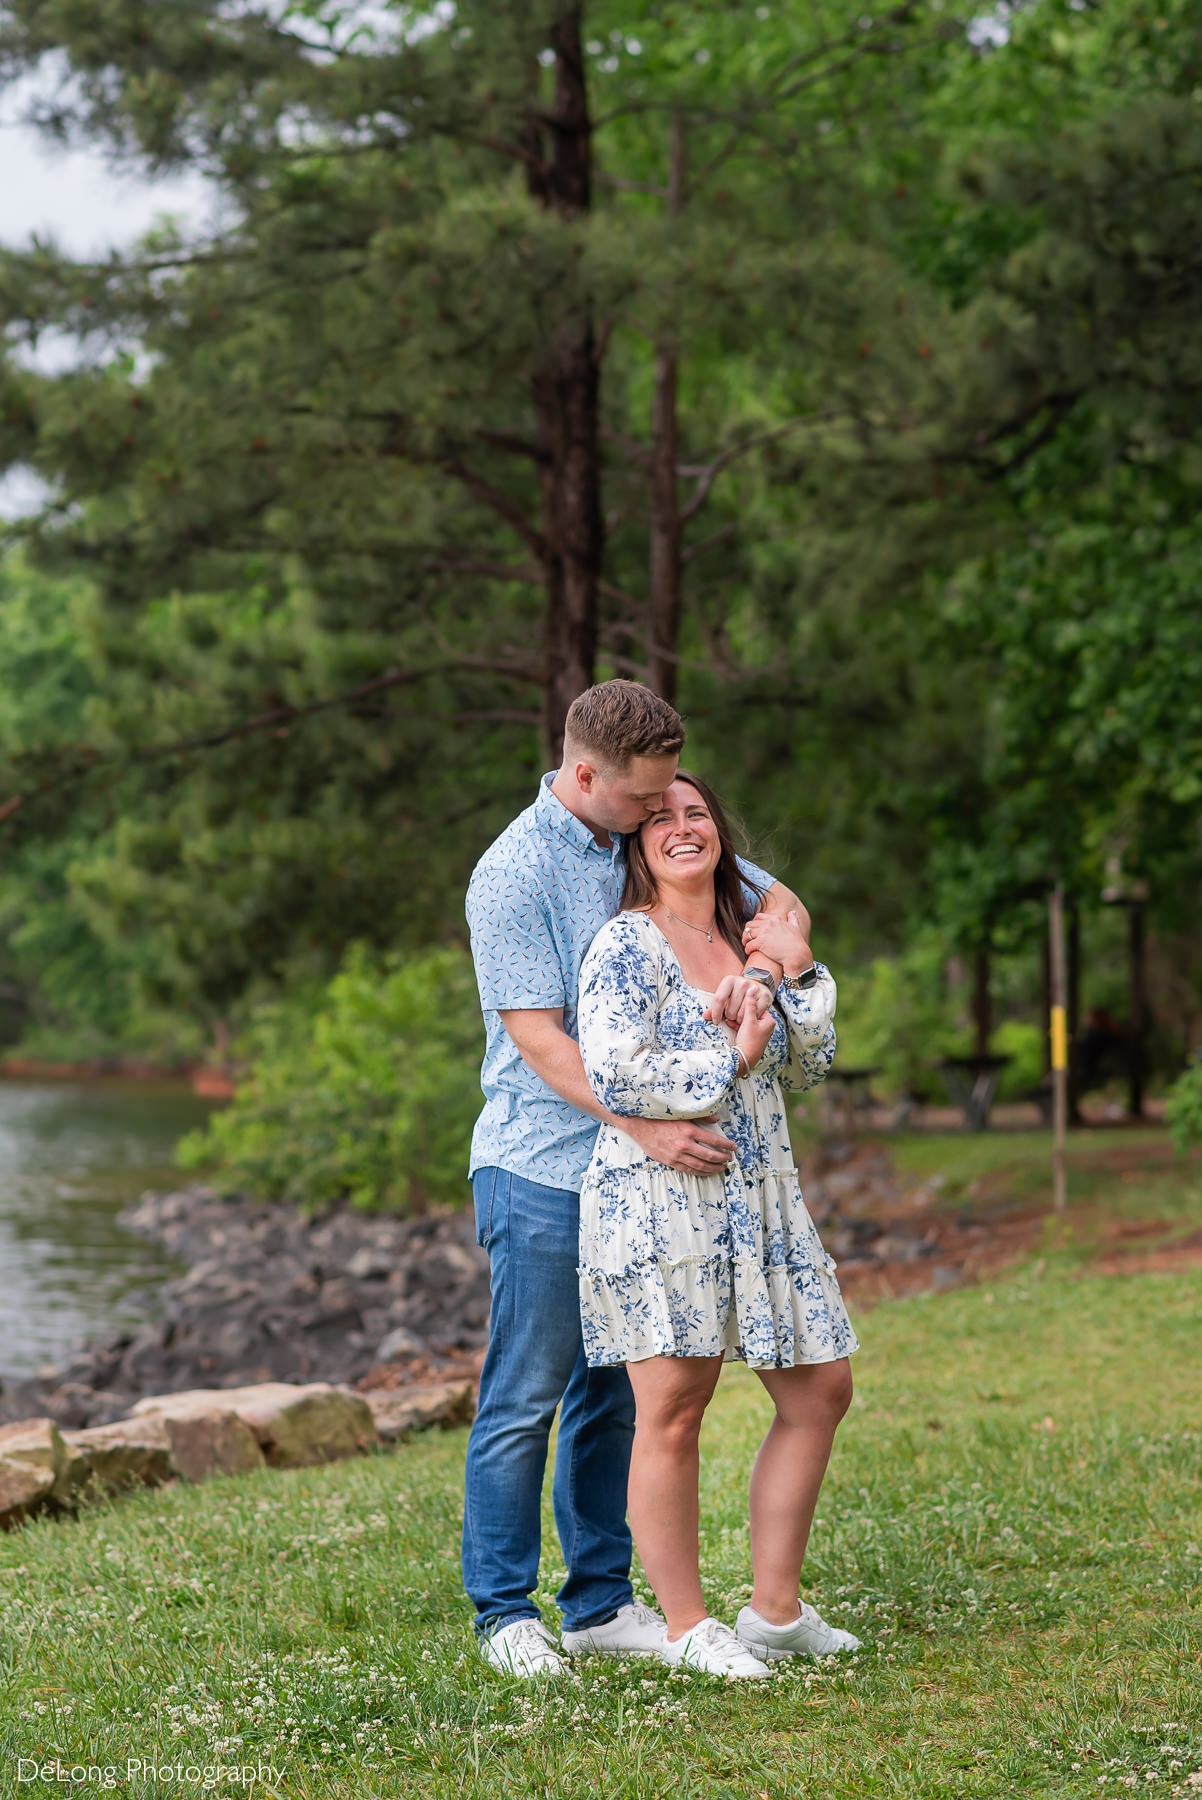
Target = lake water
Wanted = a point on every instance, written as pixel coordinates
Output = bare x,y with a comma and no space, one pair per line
71,1156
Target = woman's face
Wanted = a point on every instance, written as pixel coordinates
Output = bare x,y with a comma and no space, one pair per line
680,841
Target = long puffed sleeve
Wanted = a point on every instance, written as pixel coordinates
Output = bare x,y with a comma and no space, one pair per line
627,1067
809,1014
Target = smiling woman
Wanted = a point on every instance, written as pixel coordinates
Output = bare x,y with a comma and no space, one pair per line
679,1271
684,862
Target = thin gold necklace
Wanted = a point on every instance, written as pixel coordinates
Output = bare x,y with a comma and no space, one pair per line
709,935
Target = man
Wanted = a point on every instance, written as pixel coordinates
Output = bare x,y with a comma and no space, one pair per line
535,902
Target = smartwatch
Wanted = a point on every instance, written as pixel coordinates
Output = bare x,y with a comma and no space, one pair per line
795,983
764,975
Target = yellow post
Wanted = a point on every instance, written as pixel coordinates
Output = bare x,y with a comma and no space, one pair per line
1059,1035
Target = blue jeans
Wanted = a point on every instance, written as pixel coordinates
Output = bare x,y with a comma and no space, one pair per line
536,1362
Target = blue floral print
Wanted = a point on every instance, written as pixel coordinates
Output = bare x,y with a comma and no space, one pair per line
536,900
675,1264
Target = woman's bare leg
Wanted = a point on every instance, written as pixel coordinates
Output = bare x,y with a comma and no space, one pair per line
810,1400
671,1394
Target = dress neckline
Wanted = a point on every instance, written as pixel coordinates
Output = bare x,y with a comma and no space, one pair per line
705,993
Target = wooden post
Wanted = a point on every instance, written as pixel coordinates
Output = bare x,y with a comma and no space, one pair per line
1059,1036
1045,1002
1139,1007
1073,931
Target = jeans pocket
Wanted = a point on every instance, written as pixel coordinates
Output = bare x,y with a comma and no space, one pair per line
484,1192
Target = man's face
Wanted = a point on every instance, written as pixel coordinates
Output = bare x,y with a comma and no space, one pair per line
620,799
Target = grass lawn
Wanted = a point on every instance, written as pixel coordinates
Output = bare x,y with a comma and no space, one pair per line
1012,1523
1025,1157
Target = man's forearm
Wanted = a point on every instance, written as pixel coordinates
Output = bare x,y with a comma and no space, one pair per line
779,900
556,1059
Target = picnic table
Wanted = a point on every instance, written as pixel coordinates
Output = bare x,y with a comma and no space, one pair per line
848,1094
972,1083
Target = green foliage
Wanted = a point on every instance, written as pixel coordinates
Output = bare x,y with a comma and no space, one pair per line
901,1014
1183,1107
1023,1043
931,308
898,1016
368,1093
273,527
69,987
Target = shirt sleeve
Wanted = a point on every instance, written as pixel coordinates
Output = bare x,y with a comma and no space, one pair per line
617,1022
513,946
809,1015
752,872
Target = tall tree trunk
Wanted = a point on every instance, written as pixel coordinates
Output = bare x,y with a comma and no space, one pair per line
566,404
667,568
982,1008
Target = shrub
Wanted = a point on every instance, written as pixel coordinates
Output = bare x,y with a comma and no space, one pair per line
896,1015
1183,1108
1024,1043
370,1098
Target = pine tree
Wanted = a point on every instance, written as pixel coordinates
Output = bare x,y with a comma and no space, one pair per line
345,503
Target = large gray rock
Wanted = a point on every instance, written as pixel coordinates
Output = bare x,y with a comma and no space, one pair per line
38,1444
23,1486
126,1453
36,1468
400,1411
295,1427
400,1345
212,1443
371,1264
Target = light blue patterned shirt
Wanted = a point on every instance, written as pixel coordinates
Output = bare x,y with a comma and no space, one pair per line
536,900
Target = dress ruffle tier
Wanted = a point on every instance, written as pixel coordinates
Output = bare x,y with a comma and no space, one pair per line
674,1264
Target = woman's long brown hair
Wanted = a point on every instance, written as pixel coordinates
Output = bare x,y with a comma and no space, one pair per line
730,902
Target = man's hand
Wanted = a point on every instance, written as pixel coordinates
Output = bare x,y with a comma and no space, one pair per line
784,941
682,1144
778,903
735,996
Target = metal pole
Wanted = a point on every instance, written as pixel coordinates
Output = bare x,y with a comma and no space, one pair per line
1059,1036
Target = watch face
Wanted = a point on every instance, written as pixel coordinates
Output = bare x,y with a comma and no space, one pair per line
808,977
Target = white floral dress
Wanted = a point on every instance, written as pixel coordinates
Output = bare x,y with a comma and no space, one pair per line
675,1264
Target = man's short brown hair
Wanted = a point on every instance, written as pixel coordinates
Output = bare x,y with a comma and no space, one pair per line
619,719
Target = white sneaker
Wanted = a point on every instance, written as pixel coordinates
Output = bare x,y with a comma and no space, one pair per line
524,1647
806,1635
714,1648
634,1630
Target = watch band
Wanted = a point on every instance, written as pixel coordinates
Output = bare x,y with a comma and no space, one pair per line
764,975
806,979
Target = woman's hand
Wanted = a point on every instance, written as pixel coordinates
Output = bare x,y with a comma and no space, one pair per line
783,940
754,1035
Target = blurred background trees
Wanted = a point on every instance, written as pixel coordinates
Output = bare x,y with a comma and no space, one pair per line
835,372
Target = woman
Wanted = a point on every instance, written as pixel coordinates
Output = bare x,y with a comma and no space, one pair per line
679,1271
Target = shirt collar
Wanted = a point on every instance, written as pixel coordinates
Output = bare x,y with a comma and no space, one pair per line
553,815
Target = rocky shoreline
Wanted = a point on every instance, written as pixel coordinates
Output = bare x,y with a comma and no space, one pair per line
370,1303
270,1295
